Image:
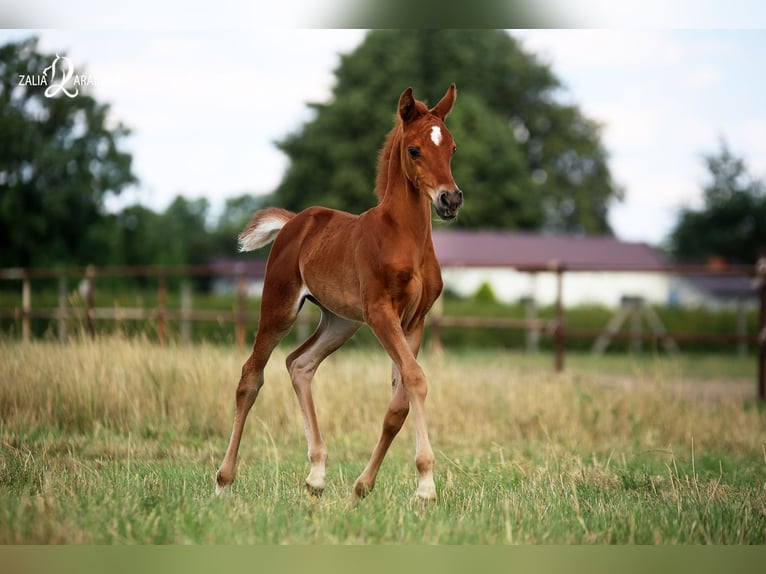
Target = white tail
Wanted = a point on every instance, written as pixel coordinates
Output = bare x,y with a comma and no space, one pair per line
263,227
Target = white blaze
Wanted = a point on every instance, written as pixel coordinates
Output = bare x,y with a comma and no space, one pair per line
436,135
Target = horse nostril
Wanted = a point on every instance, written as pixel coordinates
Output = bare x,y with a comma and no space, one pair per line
450,200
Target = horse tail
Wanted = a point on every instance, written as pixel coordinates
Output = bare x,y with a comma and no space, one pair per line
263,227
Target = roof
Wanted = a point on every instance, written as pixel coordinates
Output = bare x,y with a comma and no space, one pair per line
460,248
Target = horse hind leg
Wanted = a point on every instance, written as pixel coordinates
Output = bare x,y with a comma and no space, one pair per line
279,308
249,386
333,331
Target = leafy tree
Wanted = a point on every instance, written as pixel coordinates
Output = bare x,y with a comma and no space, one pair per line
524,160
732,220
59,159
138,232
177,236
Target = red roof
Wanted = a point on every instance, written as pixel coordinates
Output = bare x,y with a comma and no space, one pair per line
501,248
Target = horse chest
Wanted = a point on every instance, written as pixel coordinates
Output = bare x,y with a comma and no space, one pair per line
413,293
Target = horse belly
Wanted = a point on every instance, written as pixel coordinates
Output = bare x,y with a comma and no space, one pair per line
326,263
336,294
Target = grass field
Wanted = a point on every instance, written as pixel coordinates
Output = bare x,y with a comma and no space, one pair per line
116,441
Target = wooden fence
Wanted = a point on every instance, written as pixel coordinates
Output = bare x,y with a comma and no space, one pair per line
240,272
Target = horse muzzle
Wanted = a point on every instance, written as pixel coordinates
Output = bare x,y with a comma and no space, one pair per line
448,203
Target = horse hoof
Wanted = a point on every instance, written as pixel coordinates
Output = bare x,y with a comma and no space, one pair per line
222,485
313,491
362,489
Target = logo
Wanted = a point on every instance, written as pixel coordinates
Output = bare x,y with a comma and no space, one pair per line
59,77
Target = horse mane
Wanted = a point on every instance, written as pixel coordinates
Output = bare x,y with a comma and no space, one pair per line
384,157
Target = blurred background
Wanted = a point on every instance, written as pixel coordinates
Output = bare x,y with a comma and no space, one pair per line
175,137
163,138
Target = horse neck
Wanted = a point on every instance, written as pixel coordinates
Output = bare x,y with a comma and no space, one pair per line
406,205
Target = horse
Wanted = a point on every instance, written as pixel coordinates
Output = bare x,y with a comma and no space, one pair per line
377,268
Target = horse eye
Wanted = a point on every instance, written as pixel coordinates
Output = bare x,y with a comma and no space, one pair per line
414,152
454,149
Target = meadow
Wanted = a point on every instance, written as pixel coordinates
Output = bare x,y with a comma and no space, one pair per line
116,441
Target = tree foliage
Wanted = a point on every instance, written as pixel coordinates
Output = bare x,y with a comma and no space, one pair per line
732,220
524,160
59,159
184,233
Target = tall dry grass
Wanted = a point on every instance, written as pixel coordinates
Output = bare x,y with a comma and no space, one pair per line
115,440
126,385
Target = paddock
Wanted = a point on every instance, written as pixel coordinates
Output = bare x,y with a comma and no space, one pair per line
619,449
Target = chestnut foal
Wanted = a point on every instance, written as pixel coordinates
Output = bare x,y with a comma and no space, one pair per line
378,268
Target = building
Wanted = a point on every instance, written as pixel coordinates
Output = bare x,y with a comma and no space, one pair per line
630,270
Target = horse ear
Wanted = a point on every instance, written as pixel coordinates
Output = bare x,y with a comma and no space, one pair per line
444,107
407,108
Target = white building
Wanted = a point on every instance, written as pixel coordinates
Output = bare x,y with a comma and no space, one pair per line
504,261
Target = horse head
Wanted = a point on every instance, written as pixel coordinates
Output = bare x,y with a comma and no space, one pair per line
426,151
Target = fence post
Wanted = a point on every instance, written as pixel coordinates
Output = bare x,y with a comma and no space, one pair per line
760,272
532,334
90,275
558,267
26,307
62,309
162,304
186,308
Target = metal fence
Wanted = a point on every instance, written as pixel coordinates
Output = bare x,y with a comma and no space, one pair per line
240,272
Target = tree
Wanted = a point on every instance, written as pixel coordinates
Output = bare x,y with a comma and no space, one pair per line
177,236
732,220
59,159
524,160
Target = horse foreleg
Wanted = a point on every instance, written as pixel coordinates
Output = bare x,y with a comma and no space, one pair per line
392,423
410,389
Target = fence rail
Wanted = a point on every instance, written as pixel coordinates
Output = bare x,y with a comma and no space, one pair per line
437,321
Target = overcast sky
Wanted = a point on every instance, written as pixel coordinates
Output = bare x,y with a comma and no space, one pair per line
665,98
205,106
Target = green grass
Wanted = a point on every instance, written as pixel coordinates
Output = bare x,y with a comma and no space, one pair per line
116,441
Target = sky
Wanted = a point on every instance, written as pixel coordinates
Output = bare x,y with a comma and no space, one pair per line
665,99
205,106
